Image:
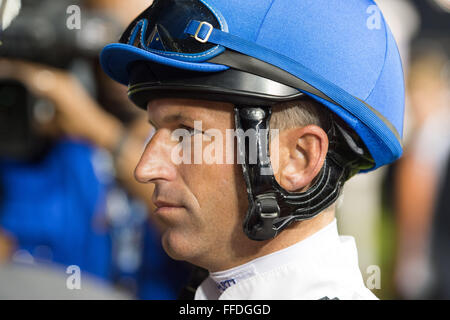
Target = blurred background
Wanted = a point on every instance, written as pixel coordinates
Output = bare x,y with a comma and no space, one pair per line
400,215
69,142
70,139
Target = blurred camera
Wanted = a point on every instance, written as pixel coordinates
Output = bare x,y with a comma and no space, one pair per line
41,33
19,138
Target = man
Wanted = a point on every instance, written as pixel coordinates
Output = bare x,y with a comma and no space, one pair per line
312,91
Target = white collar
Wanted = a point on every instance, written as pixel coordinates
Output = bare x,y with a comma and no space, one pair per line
230,277
325,250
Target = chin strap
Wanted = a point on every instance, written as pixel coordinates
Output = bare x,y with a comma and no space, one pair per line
272,208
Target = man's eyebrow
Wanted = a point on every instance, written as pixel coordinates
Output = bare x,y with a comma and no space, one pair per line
177,117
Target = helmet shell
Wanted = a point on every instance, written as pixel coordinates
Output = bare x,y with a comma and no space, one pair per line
344,43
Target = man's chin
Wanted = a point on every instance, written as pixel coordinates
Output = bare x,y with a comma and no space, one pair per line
177,246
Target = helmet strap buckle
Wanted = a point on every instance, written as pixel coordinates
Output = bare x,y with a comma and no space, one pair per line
268,210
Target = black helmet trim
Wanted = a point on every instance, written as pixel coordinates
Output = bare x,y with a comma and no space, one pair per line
148,82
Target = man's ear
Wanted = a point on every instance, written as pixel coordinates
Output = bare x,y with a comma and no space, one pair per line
301,155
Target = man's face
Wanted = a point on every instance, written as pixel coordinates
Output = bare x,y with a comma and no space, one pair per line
202,205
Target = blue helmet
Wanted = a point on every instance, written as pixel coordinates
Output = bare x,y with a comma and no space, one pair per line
340,53
344,49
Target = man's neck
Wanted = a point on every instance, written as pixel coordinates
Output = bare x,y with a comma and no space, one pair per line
304,253
295,233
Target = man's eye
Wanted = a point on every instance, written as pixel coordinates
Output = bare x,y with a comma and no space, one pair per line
192,131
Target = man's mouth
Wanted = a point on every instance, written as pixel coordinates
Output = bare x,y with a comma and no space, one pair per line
166,207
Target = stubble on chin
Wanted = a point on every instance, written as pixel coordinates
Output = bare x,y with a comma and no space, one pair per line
181,244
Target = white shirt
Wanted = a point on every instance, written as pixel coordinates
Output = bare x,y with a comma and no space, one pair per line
322,266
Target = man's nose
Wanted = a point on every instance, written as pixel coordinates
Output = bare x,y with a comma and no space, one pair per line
155,163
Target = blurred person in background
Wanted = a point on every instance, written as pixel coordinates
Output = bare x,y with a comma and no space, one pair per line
63,154
440,242
419,176
416,182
